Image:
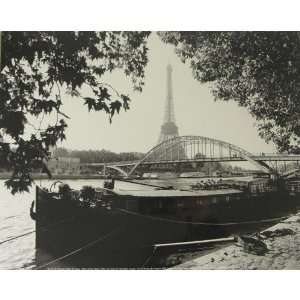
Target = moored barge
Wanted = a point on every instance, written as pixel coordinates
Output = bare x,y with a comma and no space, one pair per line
115,228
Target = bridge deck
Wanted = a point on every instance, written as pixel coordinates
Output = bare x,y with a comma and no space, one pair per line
264,158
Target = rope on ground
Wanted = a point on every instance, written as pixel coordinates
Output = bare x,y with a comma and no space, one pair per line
102,238
202,223
149,257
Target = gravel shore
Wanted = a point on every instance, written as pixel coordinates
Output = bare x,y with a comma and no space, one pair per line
280,242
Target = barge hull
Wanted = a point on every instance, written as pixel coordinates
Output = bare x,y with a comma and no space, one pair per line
69,236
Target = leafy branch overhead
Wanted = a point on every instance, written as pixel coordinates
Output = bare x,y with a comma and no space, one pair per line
37,68
259,70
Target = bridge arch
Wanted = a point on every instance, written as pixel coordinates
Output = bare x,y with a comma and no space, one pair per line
185,148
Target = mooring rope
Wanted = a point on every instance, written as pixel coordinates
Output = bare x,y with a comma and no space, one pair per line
90,244
17,237
33,231
202,223
149,257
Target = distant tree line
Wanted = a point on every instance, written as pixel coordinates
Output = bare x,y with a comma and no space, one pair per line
93,156
208,167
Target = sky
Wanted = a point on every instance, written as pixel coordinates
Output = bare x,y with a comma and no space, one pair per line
196,111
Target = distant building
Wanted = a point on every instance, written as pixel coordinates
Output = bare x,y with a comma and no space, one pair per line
64,165
221,173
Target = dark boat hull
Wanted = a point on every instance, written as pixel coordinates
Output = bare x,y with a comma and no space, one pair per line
95,237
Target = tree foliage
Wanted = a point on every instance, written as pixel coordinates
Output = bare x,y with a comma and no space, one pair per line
37,68
259,70
98,156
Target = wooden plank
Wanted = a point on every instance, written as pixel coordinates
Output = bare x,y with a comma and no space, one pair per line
202,242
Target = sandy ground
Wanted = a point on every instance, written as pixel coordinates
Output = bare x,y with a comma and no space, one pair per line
282,251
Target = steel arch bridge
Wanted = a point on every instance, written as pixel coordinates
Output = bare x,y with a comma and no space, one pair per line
197,148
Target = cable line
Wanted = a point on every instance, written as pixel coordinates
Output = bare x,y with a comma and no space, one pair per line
77,250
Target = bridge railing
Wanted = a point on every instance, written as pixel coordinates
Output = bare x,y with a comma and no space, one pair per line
267,154
233,157
114,163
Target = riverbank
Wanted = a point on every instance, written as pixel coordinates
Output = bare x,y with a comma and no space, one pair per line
5,176
281,251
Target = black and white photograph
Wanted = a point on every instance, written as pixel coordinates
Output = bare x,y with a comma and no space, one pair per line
150,150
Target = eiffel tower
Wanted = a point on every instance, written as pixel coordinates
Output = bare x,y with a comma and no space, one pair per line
168,129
